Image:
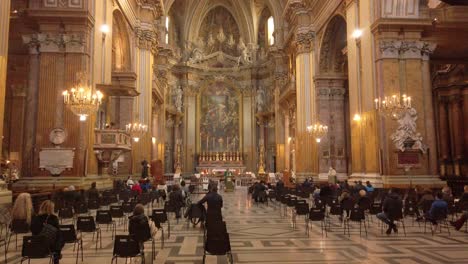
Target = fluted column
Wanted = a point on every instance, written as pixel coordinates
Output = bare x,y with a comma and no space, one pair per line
147,43
30,118
4,29
443,137
306,147
287,146
456,130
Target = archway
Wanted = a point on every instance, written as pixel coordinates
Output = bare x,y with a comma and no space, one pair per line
333,99
121,60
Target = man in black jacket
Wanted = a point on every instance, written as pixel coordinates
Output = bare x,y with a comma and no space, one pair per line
392,207
215,203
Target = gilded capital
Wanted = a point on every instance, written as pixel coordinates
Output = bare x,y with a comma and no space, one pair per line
147,39
304,41
154,5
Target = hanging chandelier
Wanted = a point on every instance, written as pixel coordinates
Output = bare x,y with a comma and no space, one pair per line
136,130
318,131
393,106
82,100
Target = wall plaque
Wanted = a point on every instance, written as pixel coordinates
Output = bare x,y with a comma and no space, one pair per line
408,158
56,160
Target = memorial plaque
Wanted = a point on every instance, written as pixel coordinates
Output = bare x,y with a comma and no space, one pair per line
408,158
56,160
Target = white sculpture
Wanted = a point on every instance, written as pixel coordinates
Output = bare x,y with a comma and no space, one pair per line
178,98
260,99
406,132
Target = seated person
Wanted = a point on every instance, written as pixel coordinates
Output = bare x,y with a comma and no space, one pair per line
391,207
427,196
140,226
93,193
460,221
363,201
46,216
137,188
439,210
176,200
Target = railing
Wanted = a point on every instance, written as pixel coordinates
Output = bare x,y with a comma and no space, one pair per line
112,139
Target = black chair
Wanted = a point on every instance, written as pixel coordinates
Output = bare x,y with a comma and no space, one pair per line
145,199
17,226
316,214
93,204
104,217
126,247
195,214
124,196
69,236
356,215
441,220
66,213
86,224
81,208
35,247
117,211
410,210
143,235
399,218
301,208
159,217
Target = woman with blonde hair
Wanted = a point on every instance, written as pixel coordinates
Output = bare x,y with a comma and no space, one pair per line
22,209
45,217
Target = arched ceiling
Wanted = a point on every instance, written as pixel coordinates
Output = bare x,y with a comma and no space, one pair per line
190,15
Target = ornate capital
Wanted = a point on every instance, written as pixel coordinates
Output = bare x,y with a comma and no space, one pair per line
294,8
155,5
54,42
304,41
147,39
403,49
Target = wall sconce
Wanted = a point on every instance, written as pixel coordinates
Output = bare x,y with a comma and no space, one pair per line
136,139
104,30
357,33
318,140
153,139
357,117
289,139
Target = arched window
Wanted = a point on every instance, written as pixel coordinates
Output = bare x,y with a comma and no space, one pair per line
167,30
270,30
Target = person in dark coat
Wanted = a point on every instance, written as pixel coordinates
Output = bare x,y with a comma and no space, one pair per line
144,169
215,203
139,225
391,207
46,214
176,199
260,189
280,187
93,193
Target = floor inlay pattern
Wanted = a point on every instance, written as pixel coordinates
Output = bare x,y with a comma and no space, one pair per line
260,235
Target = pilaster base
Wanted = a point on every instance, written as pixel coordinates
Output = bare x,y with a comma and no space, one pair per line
323,177
400,181
301,176
34,183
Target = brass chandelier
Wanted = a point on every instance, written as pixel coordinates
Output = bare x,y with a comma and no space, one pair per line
136,130
393,106
82,100
318,131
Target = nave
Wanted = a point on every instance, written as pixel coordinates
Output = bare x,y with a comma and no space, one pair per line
259,234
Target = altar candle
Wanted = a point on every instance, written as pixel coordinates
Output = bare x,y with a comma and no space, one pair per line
207,139
227,144
214,146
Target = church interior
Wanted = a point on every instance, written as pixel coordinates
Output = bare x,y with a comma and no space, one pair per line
317,131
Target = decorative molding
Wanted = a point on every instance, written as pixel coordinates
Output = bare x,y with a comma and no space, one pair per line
304,40
147,39
403,49
45,42
155,5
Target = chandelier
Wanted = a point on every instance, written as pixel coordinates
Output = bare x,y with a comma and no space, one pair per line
318,131
82,99
393,106
136,130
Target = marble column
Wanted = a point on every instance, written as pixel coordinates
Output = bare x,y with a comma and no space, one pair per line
306,147
287,146
147,43
456,130
443,137
5,195
429,112
30,119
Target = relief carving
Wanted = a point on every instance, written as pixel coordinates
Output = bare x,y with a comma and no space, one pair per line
406,49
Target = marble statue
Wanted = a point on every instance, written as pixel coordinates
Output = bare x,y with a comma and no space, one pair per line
406,132
178,98
260,99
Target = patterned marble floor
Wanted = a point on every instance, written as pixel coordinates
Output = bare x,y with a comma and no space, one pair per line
260,235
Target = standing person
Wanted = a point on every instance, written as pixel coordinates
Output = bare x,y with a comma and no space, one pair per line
93,193
23,209
46,216
391,207
215,203
176,200
280,187
144,169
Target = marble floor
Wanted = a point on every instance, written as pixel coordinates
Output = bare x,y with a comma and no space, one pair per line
260,235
